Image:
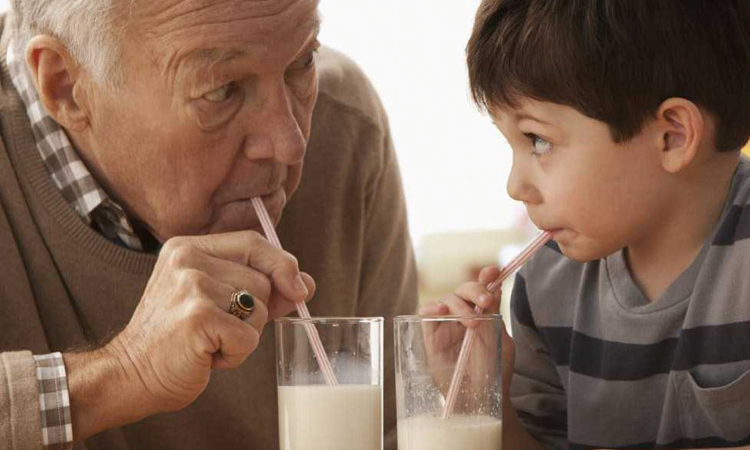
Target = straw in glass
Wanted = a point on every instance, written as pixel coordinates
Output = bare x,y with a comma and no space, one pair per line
463,356
302,311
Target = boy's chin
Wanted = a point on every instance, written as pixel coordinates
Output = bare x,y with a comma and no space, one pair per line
581,253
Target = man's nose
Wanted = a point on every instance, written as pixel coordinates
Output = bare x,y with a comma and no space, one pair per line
276,133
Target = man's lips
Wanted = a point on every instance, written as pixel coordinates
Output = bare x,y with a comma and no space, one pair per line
263,195
275,201
239,214
270,194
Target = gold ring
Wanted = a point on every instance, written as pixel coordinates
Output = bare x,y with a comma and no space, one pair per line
242,304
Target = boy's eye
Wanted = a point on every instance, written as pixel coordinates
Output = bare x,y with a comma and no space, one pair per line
221,94
541,145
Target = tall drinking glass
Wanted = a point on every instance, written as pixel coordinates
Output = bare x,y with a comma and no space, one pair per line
315,415
427,351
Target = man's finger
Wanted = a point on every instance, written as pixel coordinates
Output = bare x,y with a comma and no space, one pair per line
221,294
280,306
251,249
259,317
236,341
237,276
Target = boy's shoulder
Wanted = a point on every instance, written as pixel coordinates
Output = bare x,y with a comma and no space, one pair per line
734,224
741,184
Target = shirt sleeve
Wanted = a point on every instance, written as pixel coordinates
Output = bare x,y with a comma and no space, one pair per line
54,402
536,391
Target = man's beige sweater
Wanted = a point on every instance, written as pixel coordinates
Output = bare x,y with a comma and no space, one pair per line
63,286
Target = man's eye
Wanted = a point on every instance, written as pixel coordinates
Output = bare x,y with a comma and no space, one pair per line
541,145
305,62
221,94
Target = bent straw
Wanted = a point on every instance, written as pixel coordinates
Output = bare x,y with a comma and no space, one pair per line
463,356
312,332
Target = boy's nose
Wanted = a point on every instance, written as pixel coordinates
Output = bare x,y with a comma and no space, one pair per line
519,185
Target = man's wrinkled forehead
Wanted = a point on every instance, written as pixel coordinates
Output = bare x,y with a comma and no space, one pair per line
199,31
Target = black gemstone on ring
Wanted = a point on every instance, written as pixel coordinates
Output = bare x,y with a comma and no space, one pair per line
246,301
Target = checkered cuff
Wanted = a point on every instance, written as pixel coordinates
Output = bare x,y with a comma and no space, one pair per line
54,402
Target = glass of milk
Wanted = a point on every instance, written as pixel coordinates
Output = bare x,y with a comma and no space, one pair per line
427,350
313,415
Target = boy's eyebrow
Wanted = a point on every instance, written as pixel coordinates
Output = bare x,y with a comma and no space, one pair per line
524,115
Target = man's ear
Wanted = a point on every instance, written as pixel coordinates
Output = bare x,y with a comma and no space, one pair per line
680,126
58,79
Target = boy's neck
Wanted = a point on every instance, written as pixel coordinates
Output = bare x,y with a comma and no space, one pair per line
676,239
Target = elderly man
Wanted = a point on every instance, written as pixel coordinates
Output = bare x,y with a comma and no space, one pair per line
134,134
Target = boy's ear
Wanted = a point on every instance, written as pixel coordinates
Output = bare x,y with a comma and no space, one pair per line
680,126
58,81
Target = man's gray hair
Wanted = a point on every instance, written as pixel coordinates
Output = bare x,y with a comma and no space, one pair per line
86,27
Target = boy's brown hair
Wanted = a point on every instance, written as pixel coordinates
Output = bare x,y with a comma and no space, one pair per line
617,60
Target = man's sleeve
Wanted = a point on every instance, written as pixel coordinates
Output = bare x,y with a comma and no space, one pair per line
54,402
536,391
389,280
34,402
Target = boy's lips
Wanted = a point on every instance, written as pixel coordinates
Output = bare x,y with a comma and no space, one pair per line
553,231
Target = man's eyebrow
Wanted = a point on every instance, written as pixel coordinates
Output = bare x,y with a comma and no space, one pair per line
314,31
213,55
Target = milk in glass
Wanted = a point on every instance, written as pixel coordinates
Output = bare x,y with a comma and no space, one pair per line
343,417
458,432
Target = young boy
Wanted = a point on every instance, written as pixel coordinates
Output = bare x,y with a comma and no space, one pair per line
626,118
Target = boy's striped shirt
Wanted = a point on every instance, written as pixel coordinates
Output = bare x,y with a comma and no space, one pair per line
599,366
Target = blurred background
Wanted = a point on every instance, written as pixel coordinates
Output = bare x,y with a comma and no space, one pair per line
453,161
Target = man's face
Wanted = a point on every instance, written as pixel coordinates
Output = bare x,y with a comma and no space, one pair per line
215,110
598,195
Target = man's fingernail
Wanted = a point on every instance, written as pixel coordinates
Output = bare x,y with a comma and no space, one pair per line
300,286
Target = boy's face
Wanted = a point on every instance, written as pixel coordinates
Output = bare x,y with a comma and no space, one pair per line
599,196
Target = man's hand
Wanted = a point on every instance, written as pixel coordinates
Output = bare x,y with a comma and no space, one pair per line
181,329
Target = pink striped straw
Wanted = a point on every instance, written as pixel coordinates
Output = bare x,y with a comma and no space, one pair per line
463,356
312,332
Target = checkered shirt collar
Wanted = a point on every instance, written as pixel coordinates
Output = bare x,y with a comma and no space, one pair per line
68,171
